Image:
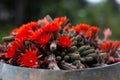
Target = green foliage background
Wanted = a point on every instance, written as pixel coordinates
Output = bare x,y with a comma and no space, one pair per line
103,15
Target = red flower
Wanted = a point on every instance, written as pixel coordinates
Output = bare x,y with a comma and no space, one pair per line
40,36
109,44
95,29
17,45
11,52
116,44
110,47
65,41
35,35
60,20
26,30
14,31
106,47
29,59
89,33
43,39
23,33
103,47
114,47
32,25
52,27
81,28
84,27
77,28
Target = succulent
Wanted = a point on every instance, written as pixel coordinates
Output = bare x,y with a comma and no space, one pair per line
56,44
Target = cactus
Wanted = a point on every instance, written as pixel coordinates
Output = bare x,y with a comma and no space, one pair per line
66,58
74,56
55,44
84,53
72,49
87,59
78,64
67,66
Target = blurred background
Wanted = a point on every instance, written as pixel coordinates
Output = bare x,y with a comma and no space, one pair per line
102,13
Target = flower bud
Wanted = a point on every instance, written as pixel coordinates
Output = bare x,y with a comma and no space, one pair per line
53,46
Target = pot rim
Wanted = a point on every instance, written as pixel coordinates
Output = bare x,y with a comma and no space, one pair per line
85,69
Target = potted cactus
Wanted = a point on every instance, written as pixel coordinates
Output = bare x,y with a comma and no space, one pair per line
56,50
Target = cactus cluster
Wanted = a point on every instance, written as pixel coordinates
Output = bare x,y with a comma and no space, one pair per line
56,44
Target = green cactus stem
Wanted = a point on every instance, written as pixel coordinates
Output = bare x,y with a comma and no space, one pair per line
58,58
72,49
86,59
74,56
78,64
86,52
67,66
92,55
66,58
82,48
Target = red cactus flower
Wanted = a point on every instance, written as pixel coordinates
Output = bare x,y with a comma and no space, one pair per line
29,59
23,33
114,47
14,31
84,27
26,30
43,39
65,41
81,28
77,28
17,45
110,47
40,36
89,33
35,35
94,29
15,48
109,44
33,25
106,47
52,27
103,47
116,44
11,52
60,20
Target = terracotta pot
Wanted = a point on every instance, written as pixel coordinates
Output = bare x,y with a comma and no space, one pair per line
9,72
